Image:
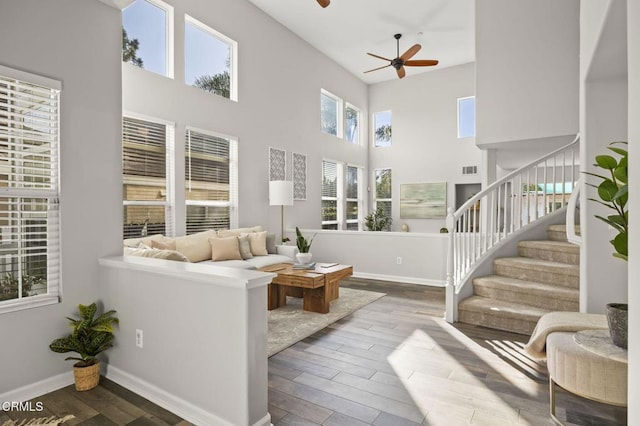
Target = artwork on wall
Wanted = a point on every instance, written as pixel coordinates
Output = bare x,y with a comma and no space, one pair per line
299,165
423,200
277,164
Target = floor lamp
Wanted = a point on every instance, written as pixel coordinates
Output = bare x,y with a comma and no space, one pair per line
281,194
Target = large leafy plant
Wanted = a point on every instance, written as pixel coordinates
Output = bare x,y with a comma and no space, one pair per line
303,244
89,337
378,220
613,193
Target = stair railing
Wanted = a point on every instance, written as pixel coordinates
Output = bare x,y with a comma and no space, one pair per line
504,207
572,236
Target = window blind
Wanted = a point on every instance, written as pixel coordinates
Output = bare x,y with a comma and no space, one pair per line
29,190
329,204
210,181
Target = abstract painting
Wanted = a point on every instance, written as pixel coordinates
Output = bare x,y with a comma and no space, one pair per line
423,200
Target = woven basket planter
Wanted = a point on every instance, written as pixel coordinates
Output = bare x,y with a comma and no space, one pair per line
86,377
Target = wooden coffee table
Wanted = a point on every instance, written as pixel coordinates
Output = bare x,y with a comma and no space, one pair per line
317,287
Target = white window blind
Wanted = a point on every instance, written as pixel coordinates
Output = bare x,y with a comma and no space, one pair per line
210,181
29,190
147,152
329,192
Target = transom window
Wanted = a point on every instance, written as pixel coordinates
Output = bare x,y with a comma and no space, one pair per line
382,129
210,181
352,128
147,148
209,59
330,113
29,177
467,117
147,36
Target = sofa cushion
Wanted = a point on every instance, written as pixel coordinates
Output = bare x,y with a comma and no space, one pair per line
134,242
245,247
271,243
165,244
156,254
262,261
238,231
196,246
225,248
258,243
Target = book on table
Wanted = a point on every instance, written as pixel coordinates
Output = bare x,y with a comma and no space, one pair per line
311,265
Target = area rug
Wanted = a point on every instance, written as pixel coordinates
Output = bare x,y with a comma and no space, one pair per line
290,324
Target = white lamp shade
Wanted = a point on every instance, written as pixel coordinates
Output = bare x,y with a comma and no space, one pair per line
280,193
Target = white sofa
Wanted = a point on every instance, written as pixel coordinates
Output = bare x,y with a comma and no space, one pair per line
245,248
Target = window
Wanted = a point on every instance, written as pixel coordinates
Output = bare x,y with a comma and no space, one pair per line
383,190
29,219
352,128
467,117
209,59
382,129
210,181
147,148
330,114
353,198
330,192
147,36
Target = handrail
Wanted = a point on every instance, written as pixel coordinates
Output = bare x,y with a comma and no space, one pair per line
512,202
572,236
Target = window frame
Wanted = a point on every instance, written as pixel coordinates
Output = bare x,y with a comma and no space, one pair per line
51,195
459,101
359,198
169,32
233,55
169,203
232,203
337,198
374,128
377,199
340,114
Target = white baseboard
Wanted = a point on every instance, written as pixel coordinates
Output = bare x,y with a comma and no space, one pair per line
34,390
173,403
408,280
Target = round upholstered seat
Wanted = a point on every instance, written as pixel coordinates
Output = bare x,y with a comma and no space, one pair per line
585,373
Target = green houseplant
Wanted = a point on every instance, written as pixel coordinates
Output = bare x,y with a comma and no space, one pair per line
89,337
304,246
378,220
613,193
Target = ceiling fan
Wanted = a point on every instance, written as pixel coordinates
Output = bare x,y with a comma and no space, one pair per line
401,61
324,3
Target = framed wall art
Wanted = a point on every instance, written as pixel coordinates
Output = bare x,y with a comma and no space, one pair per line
423,200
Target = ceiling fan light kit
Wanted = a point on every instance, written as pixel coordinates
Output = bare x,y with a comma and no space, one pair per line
400,61
324,3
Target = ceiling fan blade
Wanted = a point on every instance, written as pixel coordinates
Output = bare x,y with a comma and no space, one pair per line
401,72
379,68
409,53
324,3
421,63
379,57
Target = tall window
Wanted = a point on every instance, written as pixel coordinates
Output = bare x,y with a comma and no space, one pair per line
147,148
382,129
209,59
352,128
383,190
330,204
330,114
211,181
353,198
147,36
467,117
29,220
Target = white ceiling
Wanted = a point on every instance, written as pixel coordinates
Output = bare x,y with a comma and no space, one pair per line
348,29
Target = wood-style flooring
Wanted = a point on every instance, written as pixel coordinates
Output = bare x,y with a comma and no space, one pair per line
393,363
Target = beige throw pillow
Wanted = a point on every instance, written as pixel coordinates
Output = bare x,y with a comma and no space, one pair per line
258,243
156,254
225,248
238,231
245,246
165,244
196,246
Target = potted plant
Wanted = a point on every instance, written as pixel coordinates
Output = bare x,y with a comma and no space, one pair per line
378,220
304,246
613,194
89,337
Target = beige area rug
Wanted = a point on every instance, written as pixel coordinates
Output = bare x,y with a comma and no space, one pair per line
290,324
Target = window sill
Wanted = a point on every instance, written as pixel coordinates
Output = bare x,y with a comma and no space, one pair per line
9,306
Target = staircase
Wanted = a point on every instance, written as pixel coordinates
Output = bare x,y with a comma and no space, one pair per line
544,277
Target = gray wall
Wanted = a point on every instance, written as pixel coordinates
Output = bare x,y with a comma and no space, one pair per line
425,146
79,43
280,77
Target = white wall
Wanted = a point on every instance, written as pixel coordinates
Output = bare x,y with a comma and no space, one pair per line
633,49
279,82
526,71
425,145
79,43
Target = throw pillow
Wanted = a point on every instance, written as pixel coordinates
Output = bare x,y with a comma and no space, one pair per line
238,231
225,248
271,243
165,244
258,242
245,246
133,242
156,254
196,246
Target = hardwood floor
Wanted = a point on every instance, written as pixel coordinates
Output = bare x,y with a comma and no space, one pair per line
396,362
393,363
